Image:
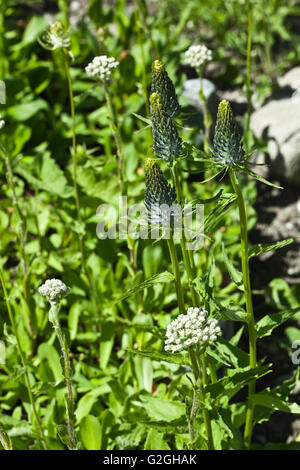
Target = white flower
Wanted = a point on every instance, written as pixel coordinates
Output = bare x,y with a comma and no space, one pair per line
2,122
101,67
54,290
191,329
196,56
56,37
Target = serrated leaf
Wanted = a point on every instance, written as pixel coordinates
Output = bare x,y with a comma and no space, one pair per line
261,179
274,402
156,279
257,250
237,378
266,325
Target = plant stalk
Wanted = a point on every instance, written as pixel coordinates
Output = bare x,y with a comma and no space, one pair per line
53,317
248,78
176,271
24,362
248,301
199,369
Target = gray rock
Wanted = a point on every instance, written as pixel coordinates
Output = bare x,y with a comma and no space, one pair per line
291,79
193,105
191,89
278,123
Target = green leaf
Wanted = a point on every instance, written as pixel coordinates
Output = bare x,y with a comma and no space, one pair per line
106,342
144,373
156,279
219,211
268,323
256,250
237,378
179,359
236,276
234,313
24,111
275,403
90,433
48,353
155,441
162,410
73,319
88,400
142,118
229,352
261,179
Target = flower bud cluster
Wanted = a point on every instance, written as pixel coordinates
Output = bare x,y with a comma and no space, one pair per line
56,37
197,56
191,329
54,290
101,67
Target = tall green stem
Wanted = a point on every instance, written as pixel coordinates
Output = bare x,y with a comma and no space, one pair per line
186,254
75,183
117,137
21,233
248,79
53,317
248,301
199,369
176,271
207,116
74,154
24,362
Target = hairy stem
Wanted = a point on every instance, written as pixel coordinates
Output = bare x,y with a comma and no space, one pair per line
199,369
53,317
248,301
24,362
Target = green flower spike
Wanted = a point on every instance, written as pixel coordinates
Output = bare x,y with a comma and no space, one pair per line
227,148
166,142
160,197
163,85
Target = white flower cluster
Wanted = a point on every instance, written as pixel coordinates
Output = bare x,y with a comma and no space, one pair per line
54,290
196,56
101,67
2,122
191,329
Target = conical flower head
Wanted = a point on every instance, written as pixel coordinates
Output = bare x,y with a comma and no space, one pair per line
166,142
163,85
160,197
227,148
